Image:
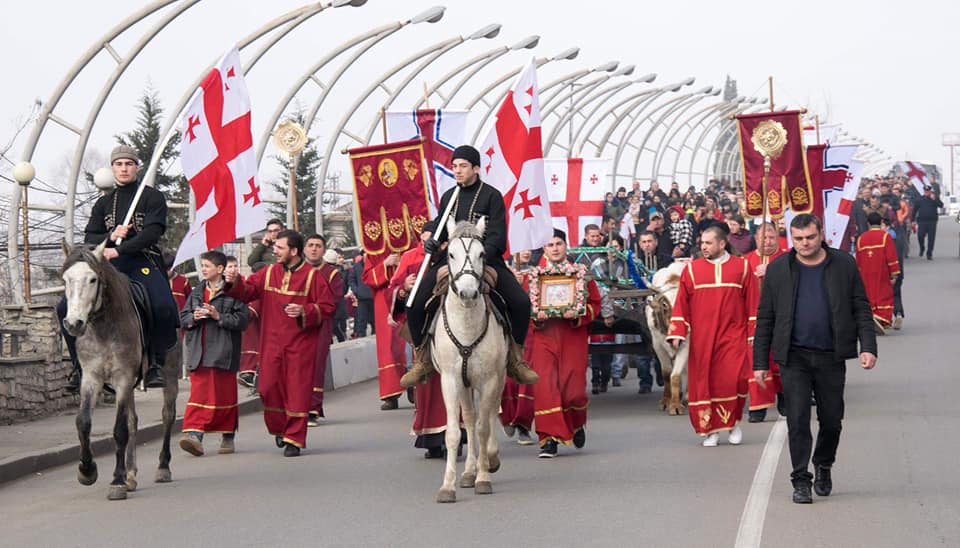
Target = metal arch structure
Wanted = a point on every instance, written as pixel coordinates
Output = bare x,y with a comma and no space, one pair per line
679,120
604,96
702,120
719,124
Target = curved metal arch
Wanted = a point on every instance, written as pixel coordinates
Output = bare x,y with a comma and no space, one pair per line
609,94
704,119
679,121
703,136
638,105
467,78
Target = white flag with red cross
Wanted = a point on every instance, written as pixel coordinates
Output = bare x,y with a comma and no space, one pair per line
576,187
511,160
441,131
841,182
916,174
216,152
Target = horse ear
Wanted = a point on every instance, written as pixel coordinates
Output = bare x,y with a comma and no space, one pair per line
451,226
98,251
482,226
65,247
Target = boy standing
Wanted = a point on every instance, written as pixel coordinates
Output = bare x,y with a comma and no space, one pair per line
213,323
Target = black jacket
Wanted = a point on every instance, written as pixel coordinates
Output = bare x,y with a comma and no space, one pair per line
488,204
216,343
850,316
927,209
149,220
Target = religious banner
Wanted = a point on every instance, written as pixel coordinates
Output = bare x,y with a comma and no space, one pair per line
390,193
576,187
776,136
835,178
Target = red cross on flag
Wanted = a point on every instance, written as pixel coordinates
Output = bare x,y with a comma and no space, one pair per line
916,174
511,160
217,156
441,131
837,176
576,187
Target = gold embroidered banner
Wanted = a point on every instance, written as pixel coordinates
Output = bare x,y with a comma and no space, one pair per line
390,193
779,136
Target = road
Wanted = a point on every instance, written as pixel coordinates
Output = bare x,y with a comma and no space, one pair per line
642,479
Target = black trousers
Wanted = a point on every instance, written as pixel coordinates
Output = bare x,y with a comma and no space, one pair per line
926,233
517,301
364,318
807,371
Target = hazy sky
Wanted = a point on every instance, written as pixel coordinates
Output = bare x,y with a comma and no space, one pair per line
883,69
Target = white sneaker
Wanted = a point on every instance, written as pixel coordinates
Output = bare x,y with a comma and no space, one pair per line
736,436
711,440
523,438
898,322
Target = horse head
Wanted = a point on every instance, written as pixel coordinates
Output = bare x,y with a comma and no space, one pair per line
81,273
465,259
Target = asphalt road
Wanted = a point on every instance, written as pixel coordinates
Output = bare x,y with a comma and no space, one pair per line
642,479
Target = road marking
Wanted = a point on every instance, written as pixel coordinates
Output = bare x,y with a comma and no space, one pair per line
755,510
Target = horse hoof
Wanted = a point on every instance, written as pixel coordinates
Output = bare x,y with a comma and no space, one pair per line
468,480
678,410
163,476
131,483
117,492
447,496
494,464
484,488
88,478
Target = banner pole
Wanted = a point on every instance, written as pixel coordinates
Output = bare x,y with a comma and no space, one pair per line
817,119
770,81
383,122
442,224
763,223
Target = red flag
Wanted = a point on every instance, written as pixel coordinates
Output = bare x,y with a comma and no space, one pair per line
390,193
788,182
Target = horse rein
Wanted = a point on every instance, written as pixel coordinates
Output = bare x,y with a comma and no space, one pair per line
463,270
465,350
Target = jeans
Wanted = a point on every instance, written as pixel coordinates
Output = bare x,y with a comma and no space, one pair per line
643,369
926,231
364,318
819,372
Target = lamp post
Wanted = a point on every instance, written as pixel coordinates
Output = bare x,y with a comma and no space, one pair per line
24,172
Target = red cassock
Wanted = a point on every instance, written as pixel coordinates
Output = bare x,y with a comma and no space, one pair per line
559,356
711,314
212,405
391,358
879,267
180,287
761,397
288,346
250,341
516,402
332,275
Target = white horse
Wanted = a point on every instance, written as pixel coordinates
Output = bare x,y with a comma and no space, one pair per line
470,352
673,362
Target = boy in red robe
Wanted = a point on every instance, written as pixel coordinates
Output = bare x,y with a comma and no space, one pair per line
763,397
559,357
879,268
711,315
391,354
294,301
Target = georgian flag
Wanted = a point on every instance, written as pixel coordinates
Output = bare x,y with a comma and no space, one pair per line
511,159
842,181
916,174
216,153
576,187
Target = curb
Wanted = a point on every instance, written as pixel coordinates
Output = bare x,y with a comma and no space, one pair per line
19,466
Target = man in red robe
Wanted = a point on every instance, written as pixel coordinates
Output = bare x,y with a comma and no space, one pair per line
516,402
250,340
879,268
294,302
391,355
763,397
559,357
711,315
315,254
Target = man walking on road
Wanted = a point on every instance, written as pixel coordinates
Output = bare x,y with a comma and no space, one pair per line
813,310
925,215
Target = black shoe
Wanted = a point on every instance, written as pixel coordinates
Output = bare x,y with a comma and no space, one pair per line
595,389
802,495
822,483
548,450
929,257
389,404
246,378
758,416
603,388
644,390
435,453
616,381
279,441
659,373
291,450
579,438
781,404
154,378
410,395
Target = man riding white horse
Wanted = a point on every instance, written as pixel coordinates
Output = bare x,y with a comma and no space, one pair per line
476,199
138,256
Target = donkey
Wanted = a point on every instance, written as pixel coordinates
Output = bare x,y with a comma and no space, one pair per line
673,362
102,315
470,352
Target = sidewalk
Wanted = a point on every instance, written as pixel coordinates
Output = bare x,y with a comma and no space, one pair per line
30,447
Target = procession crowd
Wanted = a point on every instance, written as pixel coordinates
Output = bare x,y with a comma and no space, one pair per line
756,318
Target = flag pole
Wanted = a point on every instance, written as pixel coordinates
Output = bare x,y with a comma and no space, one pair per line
426,95
133,206
293,191
817,120
383,122
441,225
770,81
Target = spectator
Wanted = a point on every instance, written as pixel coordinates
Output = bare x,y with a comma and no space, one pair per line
363,298
741,240
262,254
925,215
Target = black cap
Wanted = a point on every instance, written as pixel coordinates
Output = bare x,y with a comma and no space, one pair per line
557,233
468,153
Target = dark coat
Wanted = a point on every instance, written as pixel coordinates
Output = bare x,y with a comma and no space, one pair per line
355,283
149,221
488,204
851,318
216,342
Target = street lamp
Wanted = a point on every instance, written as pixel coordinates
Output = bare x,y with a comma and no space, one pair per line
23,173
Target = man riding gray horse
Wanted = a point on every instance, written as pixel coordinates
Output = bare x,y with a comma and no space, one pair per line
476,199
137,256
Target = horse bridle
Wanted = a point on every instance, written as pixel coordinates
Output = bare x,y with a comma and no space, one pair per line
463,270
465,350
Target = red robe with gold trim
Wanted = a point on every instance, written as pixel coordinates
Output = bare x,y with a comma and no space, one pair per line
711,313
391,356
879,268
250,341
559,355
334,279
516,401
761,397
288,346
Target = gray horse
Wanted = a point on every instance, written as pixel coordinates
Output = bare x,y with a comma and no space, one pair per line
102,316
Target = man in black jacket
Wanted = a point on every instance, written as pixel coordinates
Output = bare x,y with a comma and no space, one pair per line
813,311
926,212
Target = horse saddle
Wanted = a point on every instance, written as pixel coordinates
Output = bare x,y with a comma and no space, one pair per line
490,295
141,301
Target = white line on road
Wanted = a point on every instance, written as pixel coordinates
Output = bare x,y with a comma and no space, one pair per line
755,510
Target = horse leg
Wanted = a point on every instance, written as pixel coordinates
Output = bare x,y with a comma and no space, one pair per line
172,374
666,367
468,407
132,425
676,406
486,410
451,395
87,473
121,436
